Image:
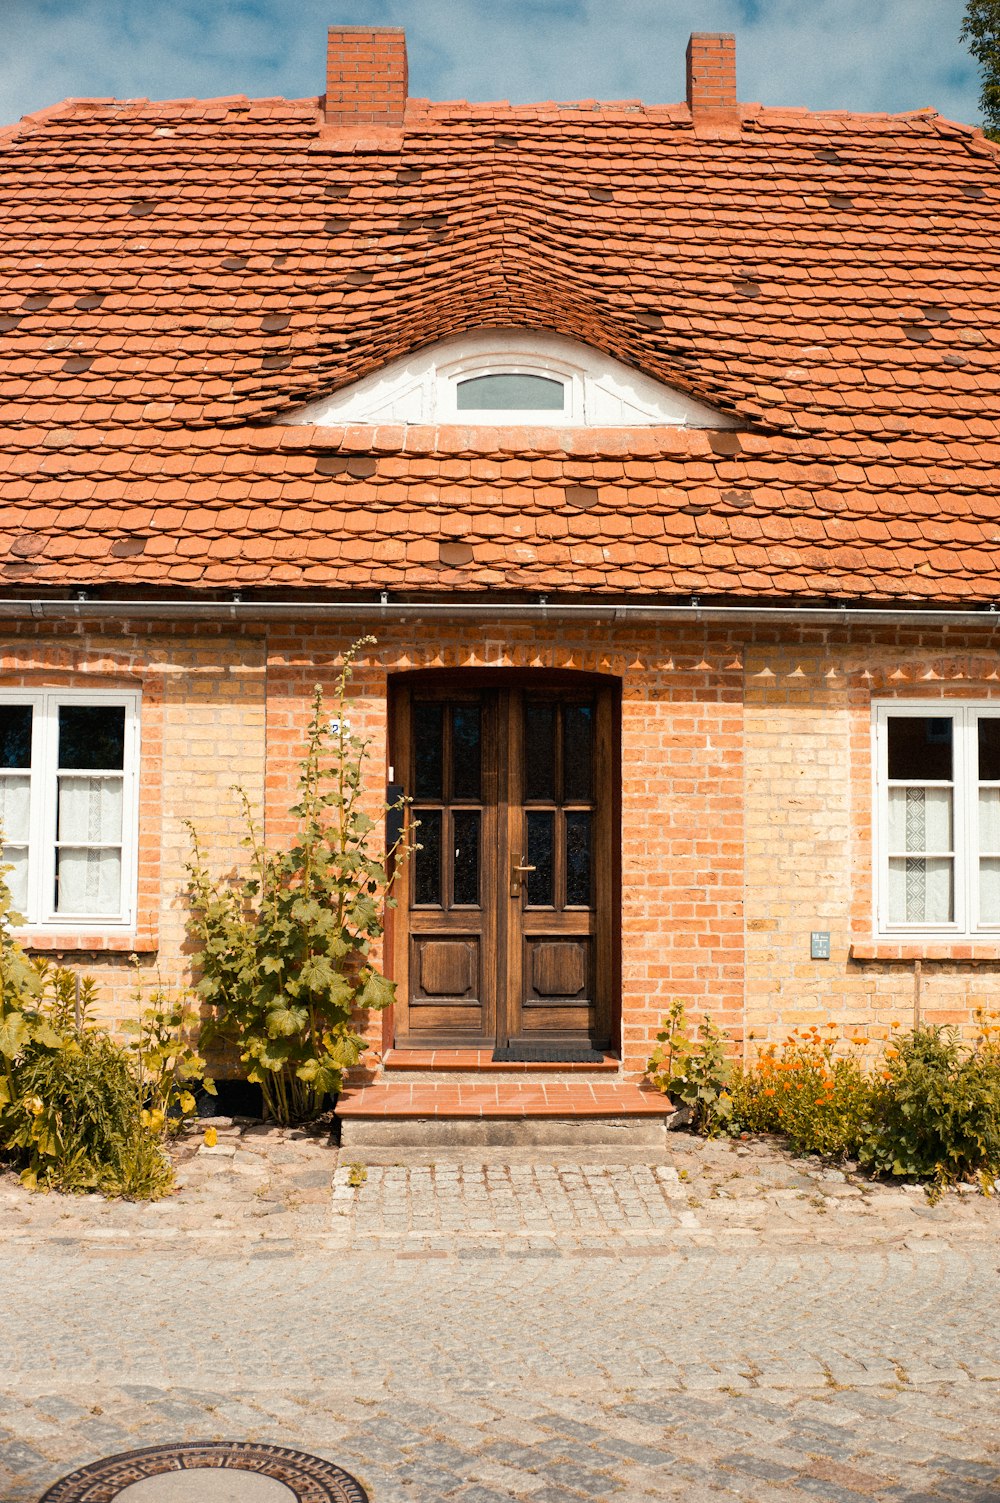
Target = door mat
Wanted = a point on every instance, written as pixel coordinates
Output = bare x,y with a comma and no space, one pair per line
548,1054
203,1471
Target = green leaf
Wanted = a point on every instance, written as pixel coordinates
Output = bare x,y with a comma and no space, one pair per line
14,1034
378,992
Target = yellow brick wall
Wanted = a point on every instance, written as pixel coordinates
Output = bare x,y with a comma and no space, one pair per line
744,754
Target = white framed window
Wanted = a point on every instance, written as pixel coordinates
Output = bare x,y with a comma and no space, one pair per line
506,377
500,391
69,763
937,818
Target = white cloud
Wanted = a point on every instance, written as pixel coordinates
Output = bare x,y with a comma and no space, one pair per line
827,54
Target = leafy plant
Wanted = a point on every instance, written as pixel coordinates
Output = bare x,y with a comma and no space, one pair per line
936,1111
812,1089
981,33
80,1124
165,1058
283,950
692,1068
71,1108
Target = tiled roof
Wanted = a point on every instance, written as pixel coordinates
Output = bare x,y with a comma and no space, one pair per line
650,511
176,274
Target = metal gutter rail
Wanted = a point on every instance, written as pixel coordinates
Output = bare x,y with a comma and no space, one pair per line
236,609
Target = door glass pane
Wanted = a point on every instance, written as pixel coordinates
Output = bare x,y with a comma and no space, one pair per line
919,819
513,393
427,754
92,736
466,752
989,821
427,858
920,748
88,882
15,802
577,743
539,750
989,891
541,882
15,735
920,891
465,828
90,810
989,748
578,859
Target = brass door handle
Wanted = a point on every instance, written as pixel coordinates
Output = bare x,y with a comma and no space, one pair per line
524,868
517,870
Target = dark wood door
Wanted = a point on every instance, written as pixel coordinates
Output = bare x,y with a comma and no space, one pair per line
507,906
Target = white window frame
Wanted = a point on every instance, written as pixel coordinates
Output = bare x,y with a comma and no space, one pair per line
965,715
571,379
40,911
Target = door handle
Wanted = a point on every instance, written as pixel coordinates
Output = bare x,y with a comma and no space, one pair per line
517,870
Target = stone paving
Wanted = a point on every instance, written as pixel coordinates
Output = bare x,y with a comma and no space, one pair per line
726,1324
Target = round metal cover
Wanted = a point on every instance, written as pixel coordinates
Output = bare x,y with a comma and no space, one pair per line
277,1475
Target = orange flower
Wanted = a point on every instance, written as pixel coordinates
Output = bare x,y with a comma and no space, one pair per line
886,1074
891,1053
769,1091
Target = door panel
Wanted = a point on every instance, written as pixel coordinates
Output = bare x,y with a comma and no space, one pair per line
508,903
448,984
553,981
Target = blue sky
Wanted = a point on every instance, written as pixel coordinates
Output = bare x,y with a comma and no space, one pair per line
826,54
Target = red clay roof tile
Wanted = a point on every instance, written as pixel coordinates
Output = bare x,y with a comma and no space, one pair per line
208,282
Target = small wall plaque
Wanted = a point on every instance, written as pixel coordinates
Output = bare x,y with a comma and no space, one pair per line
819,944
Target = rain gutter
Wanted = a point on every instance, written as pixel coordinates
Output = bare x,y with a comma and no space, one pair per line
81,607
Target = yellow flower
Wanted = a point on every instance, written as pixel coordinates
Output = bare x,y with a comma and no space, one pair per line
35,1105
211,1137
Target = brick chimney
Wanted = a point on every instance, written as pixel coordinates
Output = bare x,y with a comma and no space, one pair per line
365,76
711,80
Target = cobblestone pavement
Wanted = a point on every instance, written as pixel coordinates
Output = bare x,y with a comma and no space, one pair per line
724,1324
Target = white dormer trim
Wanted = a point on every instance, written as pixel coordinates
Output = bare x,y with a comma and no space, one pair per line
423,388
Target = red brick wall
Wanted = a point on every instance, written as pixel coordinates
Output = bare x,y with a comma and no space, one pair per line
366,76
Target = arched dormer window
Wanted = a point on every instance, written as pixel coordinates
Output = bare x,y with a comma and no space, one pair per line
502,377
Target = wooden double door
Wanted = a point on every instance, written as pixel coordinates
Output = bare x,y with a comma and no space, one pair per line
504,926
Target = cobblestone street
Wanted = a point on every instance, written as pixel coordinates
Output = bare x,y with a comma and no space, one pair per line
727,1323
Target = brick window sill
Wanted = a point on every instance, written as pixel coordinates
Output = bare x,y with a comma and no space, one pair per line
954,950
78,941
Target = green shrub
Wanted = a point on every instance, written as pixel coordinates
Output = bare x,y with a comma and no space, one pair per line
77,1110
283,950
692,1069
164,1057
936,1109
806,1089
79,1122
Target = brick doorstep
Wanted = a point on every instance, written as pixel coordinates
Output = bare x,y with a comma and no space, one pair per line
577,1098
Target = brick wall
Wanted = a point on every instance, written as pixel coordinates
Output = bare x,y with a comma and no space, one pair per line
745,770
366,76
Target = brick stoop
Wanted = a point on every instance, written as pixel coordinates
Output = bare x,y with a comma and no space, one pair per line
502,1112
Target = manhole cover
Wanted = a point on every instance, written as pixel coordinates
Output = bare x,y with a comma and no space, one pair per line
209,1472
